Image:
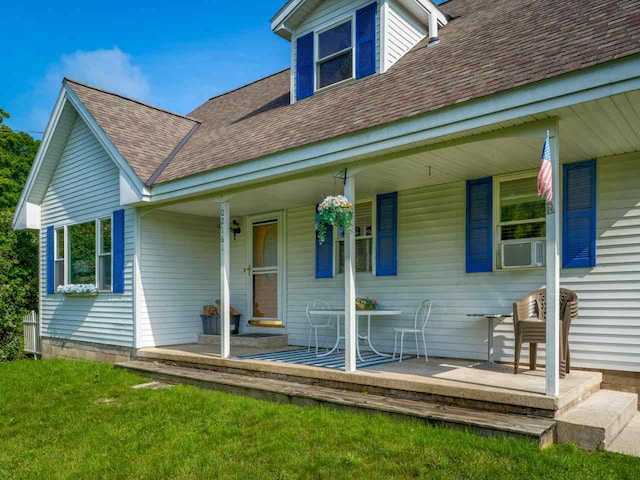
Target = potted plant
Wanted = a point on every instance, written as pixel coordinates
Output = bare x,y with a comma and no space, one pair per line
78,290
211,319
336,211
367,303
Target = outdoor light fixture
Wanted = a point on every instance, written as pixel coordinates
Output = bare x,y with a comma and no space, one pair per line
235,228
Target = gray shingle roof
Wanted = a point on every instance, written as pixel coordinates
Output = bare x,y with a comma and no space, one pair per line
487,47
143,134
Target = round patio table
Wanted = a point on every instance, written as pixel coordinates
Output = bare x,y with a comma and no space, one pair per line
367,337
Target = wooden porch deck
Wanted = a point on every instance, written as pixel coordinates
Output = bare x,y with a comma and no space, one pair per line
463,383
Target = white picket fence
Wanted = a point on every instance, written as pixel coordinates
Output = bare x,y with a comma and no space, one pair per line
31,326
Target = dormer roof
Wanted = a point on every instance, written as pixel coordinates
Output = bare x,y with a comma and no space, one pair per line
295,11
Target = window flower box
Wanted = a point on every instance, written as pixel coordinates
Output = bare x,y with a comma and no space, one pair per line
78,290
335,211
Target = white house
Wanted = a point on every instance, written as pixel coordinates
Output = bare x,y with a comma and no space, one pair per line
431,119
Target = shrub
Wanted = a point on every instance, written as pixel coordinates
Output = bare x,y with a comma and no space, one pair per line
18,284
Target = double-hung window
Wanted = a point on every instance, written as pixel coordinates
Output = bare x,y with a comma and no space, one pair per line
59,257
364,233
520,217
88,249
104,254
335,55
82,253
521,211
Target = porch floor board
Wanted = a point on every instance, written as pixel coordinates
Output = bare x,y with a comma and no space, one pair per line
540,430
467,381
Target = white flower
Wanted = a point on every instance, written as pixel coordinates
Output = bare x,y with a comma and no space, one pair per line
75,289
335,201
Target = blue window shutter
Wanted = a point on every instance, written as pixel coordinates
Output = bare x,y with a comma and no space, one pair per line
51,269
118,251
387,234
324,255
480,225
366,40
304,66
579,215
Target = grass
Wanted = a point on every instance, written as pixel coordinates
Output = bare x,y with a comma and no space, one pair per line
65,419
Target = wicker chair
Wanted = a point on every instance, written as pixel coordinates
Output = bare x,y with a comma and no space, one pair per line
529,323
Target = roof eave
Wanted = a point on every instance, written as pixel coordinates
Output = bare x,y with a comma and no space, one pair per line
137,187
132,190
27,213
575,87
280,23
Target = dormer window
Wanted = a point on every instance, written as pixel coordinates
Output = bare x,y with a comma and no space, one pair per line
334,62
334,43
337,52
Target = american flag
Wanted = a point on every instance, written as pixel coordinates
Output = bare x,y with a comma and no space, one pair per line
545,183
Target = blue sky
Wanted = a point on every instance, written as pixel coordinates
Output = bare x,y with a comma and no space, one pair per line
174,54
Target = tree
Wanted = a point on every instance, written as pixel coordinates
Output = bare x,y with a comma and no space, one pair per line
17,151
18,250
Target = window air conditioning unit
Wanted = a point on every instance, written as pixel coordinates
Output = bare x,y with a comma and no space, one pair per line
522,253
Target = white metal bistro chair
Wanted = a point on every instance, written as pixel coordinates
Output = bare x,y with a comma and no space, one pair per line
318,321
419,325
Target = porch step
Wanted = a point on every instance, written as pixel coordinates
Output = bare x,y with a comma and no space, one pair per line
628,441
539,430
254,340
595,423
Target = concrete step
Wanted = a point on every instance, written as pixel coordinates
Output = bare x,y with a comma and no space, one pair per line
538,430
594,423
255,340
628,441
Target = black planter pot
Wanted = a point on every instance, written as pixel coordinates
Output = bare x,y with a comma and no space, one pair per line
211,324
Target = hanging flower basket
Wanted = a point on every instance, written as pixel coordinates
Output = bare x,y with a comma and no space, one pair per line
335,211
78,290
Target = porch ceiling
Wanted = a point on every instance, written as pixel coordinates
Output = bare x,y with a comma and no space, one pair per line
600,128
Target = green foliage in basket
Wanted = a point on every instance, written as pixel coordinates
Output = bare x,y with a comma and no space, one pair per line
335,211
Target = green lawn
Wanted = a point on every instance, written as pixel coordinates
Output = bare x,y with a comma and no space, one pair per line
63,419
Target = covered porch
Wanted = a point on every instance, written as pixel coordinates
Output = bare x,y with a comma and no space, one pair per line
430,180
465,383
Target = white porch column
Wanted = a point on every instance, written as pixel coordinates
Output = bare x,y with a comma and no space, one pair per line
225,303
553,272
350,325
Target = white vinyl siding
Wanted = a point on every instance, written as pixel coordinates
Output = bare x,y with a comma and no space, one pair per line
431,264
179,273
85,186
402,32
326,14
607,334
